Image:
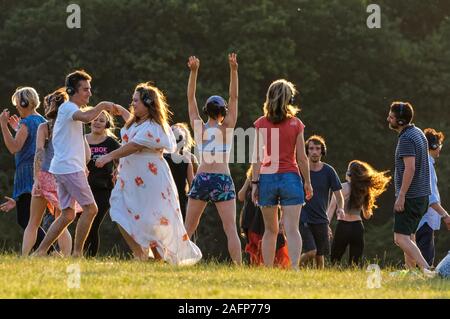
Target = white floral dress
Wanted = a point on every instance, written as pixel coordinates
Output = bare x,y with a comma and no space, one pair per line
144,201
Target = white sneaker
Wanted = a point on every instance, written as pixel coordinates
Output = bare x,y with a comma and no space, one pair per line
429,273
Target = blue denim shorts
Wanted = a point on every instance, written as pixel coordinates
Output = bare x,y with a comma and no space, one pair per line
212,187
285,189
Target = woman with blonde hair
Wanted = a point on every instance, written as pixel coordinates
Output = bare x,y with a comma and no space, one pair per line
144,200
23,146
276,177
364,185
183,164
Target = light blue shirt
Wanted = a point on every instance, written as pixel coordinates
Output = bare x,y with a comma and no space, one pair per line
431,217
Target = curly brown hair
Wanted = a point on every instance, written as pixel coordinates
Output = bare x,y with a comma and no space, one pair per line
367,184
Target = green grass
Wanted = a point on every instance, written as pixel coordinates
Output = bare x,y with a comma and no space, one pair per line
114,278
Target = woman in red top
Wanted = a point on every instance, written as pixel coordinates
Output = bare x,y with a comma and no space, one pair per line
276,177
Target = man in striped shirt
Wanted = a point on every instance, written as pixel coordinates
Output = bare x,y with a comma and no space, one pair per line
412,182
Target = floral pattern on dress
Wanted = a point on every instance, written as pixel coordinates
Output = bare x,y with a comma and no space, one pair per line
145,201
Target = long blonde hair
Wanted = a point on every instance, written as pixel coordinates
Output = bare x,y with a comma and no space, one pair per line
158,109
279,101
189,141
367,184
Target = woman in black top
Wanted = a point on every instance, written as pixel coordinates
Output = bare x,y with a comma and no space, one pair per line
101,141
183,164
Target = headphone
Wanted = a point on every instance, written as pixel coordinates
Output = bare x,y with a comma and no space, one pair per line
400,120
146,98
70,90
433,142
23,101
218,102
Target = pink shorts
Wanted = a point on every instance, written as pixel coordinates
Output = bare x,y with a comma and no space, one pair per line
72,188
47,190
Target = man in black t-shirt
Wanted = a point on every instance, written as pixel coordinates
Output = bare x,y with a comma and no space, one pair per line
314,224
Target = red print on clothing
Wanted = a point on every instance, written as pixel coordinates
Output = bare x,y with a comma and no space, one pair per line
149,135
157,140
138,181
125,138
152,167
122,183
163,196
164,221
137,217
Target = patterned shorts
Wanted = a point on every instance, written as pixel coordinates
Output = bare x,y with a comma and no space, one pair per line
212,187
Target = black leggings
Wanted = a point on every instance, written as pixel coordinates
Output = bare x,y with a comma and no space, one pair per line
92,243
348,233
23,205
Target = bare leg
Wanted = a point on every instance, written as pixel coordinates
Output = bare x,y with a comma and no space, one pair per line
37,210
55,230
320,262
269,240
83,228
291,222
194,211
138,251
410,249
307,257
227,213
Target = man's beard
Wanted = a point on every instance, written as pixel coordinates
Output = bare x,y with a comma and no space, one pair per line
393,126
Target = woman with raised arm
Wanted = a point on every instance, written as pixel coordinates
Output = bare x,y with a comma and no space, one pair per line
213,180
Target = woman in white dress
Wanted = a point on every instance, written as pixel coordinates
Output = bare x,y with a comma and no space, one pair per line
144,201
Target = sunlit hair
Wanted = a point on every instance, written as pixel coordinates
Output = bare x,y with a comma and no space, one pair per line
317,140
278,105
188,141
158,111
53,101
28,94
367,184
109,119
433,136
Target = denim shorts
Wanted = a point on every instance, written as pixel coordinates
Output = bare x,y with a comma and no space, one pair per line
212,187
285,189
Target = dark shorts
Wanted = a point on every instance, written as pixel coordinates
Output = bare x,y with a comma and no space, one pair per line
285,189
406,222
315,237
212,187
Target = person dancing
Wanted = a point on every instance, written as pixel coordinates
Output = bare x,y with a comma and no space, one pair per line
144,201
213,181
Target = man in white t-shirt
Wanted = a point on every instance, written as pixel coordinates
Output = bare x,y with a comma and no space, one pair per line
69,163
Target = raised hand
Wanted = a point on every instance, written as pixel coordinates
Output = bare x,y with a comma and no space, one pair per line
232,59
193,63
4,117
14,122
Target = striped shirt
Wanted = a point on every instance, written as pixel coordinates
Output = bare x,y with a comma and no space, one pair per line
412,142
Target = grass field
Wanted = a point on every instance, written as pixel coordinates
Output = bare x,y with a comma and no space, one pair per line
114,278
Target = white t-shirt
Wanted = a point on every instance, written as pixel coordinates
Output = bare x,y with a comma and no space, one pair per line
68,142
